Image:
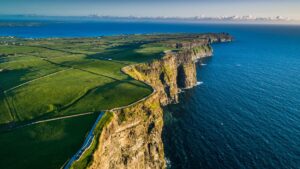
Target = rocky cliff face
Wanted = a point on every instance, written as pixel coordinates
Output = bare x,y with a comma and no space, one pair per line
133,138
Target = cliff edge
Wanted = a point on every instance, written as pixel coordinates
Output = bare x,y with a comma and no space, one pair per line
132,139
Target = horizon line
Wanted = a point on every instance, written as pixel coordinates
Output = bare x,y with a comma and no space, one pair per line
233,19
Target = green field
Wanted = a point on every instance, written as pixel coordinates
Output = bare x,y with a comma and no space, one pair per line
42,79
60,76
46,145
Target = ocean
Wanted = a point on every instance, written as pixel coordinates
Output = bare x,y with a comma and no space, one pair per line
245,112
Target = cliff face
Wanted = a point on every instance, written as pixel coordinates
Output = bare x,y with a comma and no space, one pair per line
133,138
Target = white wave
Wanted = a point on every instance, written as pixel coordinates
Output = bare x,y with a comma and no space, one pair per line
203,64
168,161
199,83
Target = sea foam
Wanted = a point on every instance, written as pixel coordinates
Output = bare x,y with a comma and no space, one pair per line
199,83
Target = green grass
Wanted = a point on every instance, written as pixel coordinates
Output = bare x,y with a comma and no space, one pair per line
103,67
52,93
46,145
12,49
116,93
21,69
5,115
70,76
132,53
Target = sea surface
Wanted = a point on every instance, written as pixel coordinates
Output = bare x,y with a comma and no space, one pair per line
245,113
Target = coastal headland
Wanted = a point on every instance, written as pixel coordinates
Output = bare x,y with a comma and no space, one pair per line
132,138
54,89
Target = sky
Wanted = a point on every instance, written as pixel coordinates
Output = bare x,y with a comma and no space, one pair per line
153,8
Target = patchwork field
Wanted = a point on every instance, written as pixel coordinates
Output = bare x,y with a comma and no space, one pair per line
45,82
42,79
59,76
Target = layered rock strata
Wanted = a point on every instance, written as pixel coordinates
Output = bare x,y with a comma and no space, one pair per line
133,138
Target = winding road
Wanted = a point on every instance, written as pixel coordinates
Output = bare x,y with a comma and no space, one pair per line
88,141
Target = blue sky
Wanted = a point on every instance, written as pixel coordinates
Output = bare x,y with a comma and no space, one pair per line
183,8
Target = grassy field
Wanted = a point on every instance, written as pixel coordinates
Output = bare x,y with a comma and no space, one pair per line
60,76
46,145
20,69
43,79
61,90
46,78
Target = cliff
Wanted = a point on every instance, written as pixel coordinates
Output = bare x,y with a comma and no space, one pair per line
133,138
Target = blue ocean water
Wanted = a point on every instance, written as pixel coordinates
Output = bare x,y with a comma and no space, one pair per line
245,114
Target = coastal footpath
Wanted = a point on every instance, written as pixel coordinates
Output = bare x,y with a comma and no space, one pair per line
133,137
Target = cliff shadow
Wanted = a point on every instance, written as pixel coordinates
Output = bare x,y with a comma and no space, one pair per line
125,53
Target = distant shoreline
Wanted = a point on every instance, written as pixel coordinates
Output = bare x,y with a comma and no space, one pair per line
200,20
